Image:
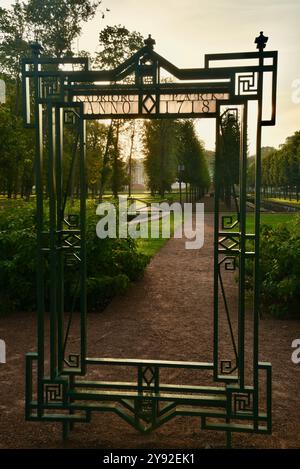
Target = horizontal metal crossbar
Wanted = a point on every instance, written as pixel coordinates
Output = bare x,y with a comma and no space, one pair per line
158,363
98,395
163,387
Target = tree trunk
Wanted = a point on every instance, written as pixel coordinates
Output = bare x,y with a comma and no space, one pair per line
102,181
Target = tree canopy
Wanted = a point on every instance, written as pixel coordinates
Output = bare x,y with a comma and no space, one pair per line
168,145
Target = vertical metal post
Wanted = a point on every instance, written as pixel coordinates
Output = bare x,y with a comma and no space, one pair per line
242,259
52,240
83,269
256,304
216,248
60,226
38,165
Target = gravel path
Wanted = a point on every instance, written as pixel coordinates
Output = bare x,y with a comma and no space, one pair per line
166,315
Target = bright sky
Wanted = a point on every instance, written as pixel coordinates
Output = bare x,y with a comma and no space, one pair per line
185,30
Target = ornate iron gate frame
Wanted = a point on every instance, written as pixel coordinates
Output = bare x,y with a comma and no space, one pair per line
54,97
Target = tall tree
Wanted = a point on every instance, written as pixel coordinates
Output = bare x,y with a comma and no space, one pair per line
16,151
229,157
118,176
96,134
191,154
57,23
116,44
160,148
15,35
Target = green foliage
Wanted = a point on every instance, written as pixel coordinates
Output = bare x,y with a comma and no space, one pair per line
160,146
16,153
95,148
191,154
280,168
57,23
117,44
14,38
17,254
168,143
280,269
229,157
112,263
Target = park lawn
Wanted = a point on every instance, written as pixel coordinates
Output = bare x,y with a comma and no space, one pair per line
272,219
147,197
150,246
293,203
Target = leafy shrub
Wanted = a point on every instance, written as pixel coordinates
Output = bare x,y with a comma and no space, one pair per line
111,263
280,269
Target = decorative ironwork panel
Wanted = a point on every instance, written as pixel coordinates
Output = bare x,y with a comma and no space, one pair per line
55,96
246,84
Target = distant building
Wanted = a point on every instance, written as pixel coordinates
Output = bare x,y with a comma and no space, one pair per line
138,178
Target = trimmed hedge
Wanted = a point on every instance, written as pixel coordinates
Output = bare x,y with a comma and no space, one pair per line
112,263
280,269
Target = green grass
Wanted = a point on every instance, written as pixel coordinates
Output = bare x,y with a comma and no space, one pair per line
150,246
272,219
293,203
148,198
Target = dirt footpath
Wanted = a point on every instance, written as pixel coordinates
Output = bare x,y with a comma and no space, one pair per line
166,315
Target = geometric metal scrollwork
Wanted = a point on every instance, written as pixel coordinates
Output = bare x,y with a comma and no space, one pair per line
71,259
144,408
73,221
148,80
71,239
228,223
50,87
145,405
242,403
149,103
246,83
229,238
227,367
71,243
53,392
70,117
230,263
149,375
73,360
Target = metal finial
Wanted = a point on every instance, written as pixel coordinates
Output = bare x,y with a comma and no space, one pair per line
261,41
36,48
150,42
